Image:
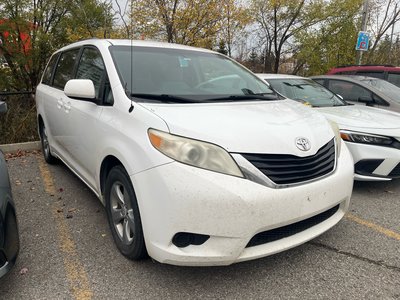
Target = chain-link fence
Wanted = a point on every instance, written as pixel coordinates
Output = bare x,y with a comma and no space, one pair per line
18,124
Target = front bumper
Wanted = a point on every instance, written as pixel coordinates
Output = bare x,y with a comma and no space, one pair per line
177,198
375,163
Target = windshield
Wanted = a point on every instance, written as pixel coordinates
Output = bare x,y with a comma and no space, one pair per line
186,74
385,87
306,91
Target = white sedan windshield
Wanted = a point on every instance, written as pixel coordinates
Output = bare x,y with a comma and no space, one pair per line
306,91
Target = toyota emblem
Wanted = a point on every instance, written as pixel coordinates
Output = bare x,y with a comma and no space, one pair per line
303,144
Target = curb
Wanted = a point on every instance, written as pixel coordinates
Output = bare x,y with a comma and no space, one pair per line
20,147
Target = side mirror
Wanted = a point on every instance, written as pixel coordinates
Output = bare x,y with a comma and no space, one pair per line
3,107
367,100
81,89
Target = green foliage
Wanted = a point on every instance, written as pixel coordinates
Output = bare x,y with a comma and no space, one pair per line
18,124
332,43
279,21
234,17
190,22
87,19
36,28
50,25
222,47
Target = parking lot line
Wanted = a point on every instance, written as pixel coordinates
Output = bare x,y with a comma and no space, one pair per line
387,232
76,274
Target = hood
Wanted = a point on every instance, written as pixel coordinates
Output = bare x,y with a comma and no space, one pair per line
248,127
364,118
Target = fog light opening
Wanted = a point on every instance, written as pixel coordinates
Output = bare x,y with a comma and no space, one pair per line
184,239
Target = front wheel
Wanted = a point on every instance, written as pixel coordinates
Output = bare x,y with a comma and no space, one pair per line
49,158
123,214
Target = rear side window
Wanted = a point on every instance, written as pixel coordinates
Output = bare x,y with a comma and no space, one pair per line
349,91
394,78
65,68
49,70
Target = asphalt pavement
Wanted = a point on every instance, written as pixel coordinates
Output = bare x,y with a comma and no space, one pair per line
67,251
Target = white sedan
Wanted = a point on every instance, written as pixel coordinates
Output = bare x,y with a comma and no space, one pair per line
371,134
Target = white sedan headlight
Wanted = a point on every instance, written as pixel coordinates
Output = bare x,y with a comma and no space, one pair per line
195,153
365,138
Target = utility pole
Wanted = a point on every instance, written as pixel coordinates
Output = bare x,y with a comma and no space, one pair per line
391,37
363,28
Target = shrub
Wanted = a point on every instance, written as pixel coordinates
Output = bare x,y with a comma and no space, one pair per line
18,124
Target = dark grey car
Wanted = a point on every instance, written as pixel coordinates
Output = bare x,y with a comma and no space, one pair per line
9,239
363,90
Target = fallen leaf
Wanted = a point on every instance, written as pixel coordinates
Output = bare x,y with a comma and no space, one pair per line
71,210
23,271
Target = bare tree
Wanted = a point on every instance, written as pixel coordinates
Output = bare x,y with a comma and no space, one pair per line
279,21
386,14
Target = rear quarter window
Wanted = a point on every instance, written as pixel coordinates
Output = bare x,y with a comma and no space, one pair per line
349,91
394,78
48,72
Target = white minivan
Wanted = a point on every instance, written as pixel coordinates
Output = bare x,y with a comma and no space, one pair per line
197,161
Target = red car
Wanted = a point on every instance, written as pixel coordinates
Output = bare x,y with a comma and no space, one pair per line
387,72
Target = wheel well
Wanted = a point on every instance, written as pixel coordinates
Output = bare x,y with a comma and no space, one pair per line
108,163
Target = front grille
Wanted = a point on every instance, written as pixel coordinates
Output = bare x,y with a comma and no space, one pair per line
288,169
289,230
395,172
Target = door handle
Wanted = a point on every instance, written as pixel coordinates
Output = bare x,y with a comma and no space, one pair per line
60,103
67,106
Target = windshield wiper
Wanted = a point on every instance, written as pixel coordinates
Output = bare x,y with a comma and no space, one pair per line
164,98
299,85
245,97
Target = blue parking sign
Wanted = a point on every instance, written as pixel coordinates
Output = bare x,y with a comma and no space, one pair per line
362,41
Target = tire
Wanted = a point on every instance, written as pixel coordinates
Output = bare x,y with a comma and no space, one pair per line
48,157
123,214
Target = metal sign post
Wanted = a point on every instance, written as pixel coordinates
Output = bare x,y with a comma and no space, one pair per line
363,36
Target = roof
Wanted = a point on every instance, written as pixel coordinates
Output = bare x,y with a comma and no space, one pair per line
366,68
354,78
136,43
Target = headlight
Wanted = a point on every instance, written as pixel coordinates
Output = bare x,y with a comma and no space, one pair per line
336,130
365,138
195,153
